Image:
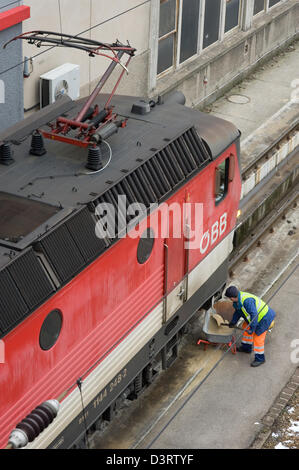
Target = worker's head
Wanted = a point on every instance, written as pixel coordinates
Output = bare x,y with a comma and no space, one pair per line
232,293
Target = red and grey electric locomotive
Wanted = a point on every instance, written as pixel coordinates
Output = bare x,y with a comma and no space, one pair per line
117,222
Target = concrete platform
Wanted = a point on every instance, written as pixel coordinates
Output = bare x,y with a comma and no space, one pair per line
226,410
259,97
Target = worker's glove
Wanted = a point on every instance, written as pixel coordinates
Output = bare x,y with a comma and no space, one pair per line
248,330
231,325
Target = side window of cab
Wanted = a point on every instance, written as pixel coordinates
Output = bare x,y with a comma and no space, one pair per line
224,174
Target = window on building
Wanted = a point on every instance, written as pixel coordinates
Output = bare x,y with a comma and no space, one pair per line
211,22
232,13
263,5
259,5
167,34
221,180
273,2
188,26
178,32
189,29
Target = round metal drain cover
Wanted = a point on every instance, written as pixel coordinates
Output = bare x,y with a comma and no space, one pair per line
238,99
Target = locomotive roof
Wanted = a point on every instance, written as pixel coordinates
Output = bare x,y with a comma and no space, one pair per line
52,193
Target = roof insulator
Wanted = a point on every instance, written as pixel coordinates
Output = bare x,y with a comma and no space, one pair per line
94,159
6,154
37,144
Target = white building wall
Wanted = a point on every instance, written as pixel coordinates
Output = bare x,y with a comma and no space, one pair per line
110,20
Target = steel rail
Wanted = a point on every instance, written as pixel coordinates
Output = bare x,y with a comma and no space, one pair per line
264,226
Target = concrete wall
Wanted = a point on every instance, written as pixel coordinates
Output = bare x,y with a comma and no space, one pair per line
11,82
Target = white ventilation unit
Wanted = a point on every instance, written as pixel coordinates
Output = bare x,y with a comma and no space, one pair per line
64,80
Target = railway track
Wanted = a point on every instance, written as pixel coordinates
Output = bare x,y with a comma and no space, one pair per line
270,186
276,151
266,224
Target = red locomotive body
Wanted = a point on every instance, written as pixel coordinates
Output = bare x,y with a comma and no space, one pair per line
107,310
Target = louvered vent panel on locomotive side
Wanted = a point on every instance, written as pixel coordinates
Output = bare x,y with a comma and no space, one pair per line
63,254
72,246
12,305
30,279
24,286
82,230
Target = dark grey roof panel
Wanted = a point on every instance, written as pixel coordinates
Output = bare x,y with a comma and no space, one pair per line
216,132
24,128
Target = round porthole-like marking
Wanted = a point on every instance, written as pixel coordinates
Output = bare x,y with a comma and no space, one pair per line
145,245
50,330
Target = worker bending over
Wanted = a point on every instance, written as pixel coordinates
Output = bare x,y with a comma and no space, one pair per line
258,319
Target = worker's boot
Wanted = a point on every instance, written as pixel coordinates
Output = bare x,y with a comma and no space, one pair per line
245,348
257,363
259,359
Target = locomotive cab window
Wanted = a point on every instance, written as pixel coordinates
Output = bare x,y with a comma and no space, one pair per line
221,180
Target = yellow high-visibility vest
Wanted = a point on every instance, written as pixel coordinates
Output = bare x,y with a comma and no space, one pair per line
261,306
